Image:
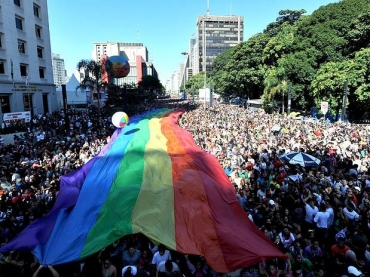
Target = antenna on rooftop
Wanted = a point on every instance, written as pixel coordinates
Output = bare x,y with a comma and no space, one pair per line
231,8
207,7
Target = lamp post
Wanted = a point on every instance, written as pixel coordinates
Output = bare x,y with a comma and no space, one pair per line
183,79
204,61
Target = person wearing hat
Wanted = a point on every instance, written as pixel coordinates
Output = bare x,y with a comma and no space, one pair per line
353,271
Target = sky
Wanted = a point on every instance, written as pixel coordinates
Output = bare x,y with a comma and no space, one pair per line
163,26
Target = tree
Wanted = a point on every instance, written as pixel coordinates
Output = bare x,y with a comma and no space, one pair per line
359,34
218,73
279,45
328,84
196,82
150,84
95,79
285,17
275,85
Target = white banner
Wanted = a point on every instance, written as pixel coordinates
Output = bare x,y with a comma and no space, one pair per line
9,118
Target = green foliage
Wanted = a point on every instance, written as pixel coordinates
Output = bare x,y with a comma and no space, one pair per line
150,84
328,84
196,82
359,33
317,54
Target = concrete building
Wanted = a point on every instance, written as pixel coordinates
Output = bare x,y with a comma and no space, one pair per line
215,34
220,32
26,72
136,54
59,70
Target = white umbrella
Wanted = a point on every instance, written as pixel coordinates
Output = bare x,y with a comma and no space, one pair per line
300,158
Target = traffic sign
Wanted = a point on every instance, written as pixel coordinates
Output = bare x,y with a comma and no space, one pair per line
324,107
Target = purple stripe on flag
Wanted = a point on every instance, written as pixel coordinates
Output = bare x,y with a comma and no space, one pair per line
39,231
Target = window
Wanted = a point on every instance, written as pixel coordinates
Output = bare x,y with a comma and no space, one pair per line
1,40
17,2
42,72
38,31
19,23
1,15
5,104
23,69
27,101
2,67
36,10
22,46
40,52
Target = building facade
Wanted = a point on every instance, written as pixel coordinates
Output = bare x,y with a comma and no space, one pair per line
214,35
136,54
59,70
26,73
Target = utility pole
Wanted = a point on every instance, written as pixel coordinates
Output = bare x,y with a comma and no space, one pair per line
289,97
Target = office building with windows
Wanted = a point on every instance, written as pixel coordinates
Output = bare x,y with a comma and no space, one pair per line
26,73
215,34
136,54
59,70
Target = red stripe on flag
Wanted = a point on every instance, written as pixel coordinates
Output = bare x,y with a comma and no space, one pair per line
194,228
242,243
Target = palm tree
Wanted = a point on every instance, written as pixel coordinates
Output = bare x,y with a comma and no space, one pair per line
95,78
275,83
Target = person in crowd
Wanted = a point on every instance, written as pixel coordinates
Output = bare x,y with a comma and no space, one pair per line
279,197
52,272
161,255
168,267
108,269
131,256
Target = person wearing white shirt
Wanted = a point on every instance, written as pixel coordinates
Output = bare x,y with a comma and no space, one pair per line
129,270
161,255
168,267
330,210
367,182
311,211
321,220
350,213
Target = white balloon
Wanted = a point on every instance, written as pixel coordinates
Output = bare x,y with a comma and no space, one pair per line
120,119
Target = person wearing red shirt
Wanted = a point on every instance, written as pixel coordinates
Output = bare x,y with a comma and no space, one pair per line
339,248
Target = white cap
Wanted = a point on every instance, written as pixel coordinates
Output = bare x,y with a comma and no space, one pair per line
354,271
271,202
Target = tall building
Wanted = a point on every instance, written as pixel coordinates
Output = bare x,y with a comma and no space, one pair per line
59,70
26,73
136,54
219,32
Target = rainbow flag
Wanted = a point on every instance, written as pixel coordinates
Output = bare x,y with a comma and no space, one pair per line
151,178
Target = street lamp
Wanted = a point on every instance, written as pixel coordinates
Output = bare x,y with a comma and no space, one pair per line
183,79
204,55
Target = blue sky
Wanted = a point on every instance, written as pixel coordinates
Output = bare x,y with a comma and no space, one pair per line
163,26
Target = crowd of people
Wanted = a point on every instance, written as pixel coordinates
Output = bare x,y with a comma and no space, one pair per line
318,216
